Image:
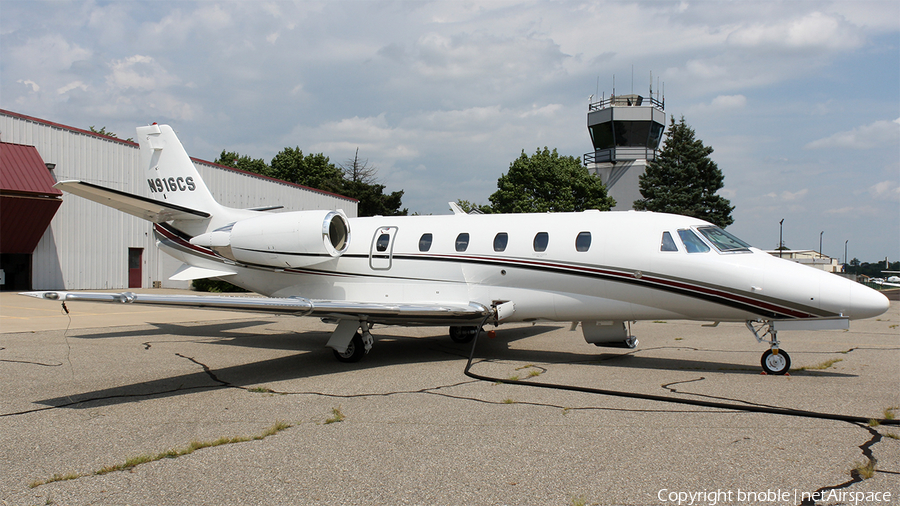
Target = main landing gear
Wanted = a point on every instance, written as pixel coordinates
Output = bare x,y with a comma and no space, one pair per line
351,340
774,360
463,335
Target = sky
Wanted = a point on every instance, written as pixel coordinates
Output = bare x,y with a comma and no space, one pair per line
800,100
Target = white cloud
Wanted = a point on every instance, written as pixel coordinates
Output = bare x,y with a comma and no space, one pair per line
815,30
28,82
140,73
886,190
72,86
786,196
879,133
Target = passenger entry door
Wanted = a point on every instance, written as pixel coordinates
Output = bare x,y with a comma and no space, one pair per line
382,249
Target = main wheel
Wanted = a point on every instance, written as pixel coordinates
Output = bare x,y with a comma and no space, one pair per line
776,362
355,350
463,334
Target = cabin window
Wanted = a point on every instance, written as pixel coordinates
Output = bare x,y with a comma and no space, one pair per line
462,242
668,244
583,241
692,243
540,241
381,245
425,242
500,241
722,240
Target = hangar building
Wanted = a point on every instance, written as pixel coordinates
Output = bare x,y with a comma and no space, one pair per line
53,241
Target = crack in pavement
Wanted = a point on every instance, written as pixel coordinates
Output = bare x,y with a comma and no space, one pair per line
855,476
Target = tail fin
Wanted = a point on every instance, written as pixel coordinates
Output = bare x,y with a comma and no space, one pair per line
170,172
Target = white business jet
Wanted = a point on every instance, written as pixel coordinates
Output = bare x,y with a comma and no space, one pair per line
602,269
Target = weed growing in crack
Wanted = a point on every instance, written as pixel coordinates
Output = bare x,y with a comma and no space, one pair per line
261,390
863,470
889,413
133,462
508,401
337,416
821,366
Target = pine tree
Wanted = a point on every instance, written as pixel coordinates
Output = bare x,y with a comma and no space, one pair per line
684,180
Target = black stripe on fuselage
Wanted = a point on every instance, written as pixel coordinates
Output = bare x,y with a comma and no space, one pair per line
766,308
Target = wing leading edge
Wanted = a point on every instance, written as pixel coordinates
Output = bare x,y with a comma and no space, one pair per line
298,306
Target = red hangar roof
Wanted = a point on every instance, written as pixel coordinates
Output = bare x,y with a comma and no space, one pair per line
28,200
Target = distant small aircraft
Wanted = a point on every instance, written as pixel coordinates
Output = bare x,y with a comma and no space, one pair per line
602,269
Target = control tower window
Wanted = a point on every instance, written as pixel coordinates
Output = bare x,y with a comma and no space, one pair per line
602,136
632,133
655,135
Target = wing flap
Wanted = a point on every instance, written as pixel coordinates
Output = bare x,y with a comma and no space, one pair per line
135,205
411,312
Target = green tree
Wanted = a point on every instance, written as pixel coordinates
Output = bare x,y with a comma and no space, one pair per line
108,133
468,207
360,182
546,182
315,171
245,163
684,180
372,199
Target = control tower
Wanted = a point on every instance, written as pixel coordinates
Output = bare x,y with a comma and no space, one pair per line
626,131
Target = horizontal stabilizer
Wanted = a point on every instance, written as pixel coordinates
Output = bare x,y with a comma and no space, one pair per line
189,273
135,205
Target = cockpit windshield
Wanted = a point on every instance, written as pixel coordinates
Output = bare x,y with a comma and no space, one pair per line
722,240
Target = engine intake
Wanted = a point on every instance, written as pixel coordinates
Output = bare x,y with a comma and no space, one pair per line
293,239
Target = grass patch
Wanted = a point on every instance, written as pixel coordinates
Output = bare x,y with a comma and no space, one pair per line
133,462
863,470
337,416
821,366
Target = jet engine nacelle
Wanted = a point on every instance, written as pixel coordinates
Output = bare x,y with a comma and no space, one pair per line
294,239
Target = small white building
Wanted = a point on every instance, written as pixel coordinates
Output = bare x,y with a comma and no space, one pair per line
811,258
91,246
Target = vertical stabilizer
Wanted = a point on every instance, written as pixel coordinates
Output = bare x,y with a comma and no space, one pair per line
171,175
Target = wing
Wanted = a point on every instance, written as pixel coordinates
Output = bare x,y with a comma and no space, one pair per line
135,205
384,313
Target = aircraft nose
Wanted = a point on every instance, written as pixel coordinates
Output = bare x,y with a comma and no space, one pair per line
866,302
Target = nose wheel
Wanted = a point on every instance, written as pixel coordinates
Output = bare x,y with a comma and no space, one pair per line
775,361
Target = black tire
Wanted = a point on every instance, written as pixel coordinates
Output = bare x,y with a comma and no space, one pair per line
355,351
776,363
463,335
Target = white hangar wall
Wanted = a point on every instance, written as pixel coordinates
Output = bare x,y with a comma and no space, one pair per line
87,244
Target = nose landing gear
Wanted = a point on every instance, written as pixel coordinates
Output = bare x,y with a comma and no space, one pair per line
775,360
